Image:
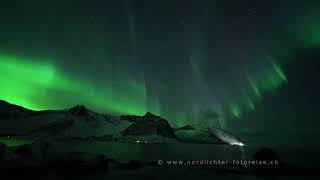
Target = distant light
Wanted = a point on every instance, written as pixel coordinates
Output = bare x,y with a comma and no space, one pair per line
138,141
8,136
237,144
146,141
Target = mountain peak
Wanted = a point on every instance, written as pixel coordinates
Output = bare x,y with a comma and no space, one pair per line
149,114
79,110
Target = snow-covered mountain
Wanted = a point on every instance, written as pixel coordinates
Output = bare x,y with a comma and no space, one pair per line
81,122
18,120
84,123
76,121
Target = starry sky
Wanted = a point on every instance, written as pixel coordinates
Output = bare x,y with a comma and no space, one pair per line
237,65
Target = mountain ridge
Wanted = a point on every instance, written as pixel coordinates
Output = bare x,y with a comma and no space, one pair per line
78,121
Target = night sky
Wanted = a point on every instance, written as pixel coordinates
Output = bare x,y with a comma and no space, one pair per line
233,64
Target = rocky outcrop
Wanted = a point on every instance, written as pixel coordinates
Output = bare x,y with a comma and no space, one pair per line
79,110
149,124
133,118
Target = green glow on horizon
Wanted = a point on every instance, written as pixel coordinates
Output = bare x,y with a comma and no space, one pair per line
39,86
19,80
14,141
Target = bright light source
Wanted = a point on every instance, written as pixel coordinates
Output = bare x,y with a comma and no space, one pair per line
237,144
137,141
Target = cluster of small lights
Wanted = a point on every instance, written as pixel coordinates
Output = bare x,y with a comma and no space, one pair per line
141,141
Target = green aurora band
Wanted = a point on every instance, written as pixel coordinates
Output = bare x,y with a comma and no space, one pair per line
118,51
39,86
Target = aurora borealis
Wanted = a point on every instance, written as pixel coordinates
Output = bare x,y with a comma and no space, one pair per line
176,59
30,85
